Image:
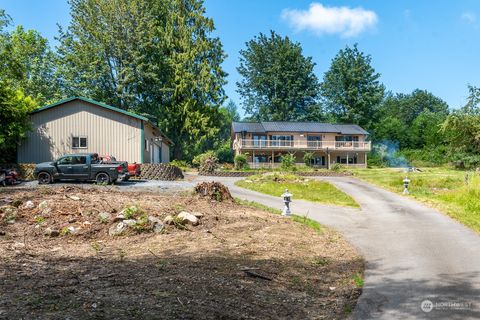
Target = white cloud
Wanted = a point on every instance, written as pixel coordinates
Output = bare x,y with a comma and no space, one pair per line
348,22
469,17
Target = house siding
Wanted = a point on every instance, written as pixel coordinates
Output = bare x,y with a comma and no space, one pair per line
107,132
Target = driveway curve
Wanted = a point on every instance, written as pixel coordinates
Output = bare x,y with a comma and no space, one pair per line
415,254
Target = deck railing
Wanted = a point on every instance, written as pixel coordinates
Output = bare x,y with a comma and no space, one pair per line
306,145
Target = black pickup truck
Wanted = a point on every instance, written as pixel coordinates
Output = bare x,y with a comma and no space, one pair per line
81,166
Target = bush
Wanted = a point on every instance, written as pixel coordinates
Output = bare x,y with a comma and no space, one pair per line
307,158
338,167
240,162
225,153
288,162
182,164
206,162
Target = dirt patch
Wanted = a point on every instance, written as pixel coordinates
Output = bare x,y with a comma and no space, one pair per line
204,271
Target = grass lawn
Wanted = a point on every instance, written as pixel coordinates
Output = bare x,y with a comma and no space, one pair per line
302,188
442,188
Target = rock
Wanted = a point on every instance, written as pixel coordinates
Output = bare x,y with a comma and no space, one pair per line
43,205
198,214
168,220
118,229
17,203
74,198
157,224
158,227
72,229
29,205
118,218
130,222
154,220
187,217
87,223
104,216
51,232
72,220
2,233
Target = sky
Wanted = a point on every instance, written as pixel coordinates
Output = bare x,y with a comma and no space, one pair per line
431,45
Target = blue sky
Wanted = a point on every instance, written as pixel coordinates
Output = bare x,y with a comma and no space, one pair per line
432,45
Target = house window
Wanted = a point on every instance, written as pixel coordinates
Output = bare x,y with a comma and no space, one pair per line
314,141
79,142
259,141
343,159
281,140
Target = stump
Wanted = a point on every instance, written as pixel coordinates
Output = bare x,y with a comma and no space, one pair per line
214,191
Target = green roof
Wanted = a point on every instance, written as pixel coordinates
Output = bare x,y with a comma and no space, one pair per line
92,102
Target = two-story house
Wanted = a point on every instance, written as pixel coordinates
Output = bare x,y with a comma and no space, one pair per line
264,143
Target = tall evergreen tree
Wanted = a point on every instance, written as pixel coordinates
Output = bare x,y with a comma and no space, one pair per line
278,80
152,57
351,88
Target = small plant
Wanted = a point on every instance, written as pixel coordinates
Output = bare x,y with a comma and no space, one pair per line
320,261
142,223
337,167
65,231
358,280
308,158
96,246
40,219
288,162
132,211
240,162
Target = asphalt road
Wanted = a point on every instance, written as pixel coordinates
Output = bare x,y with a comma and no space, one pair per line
414,254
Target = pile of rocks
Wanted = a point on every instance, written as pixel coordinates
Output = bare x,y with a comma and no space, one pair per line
124,225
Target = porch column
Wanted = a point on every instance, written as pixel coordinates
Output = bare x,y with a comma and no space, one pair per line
328,159
347,159
365,165
253,159
273,158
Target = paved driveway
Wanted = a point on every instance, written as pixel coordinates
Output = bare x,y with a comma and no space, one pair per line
413,253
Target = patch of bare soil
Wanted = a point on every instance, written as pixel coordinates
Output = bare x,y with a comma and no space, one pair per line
238,262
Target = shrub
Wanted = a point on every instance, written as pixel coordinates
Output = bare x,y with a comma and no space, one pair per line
307,158
206,162
182,164
224,152
240,162
288,162
337,167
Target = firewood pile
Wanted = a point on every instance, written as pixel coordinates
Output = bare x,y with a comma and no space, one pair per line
161,171
213,190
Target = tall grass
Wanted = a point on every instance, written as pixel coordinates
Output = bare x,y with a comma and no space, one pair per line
454,192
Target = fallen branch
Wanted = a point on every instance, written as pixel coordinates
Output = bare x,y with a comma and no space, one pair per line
255,275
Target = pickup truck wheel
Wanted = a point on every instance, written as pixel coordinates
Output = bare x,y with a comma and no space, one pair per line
44,178
102,178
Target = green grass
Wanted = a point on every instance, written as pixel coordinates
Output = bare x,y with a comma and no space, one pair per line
300,219
442,188
302,188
